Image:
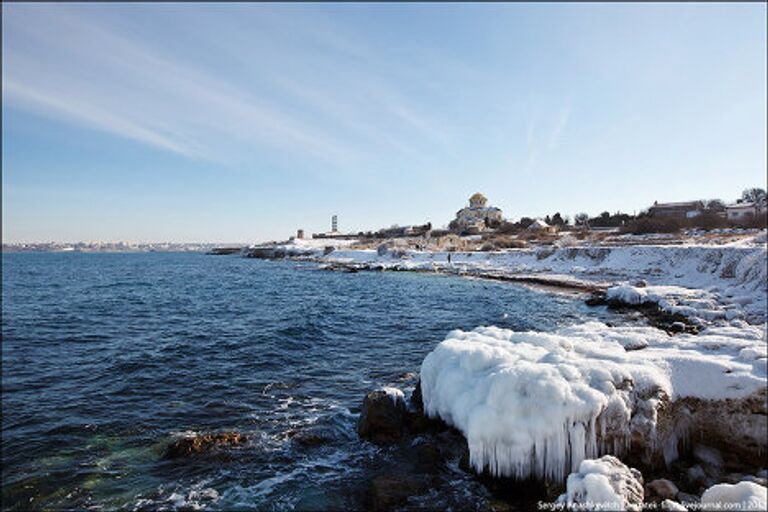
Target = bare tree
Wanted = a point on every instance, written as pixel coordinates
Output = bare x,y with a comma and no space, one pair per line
753,195
714,205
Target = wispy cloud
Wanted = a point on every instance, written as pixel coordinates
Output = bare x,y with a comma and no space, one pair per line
101,78
49,103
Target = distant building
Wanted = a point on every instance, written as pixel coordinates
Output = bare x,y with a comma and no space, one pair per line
743,211
541,226
300,234
404,231
682,210
478,216
334,224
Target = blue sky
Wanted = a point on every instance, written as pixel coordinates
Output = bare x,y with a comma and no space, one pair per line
243,122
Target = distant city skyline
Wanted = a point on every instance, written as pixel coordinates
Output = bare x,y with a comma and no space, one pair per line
244,122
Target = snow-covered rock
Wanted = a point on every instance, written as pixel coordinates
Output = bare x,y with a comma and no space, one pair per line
741,496
537,404
604,484
382,419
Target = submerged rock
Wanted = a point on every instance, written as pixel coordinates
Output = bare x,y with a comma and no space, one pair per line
427,455
311,437
191,443
389,491
383,418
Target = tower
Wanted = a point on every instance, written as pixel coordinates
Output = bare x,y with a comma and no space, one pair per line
334,224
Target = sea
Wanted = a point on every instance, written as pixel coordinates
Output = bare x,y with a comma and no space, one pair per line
108,358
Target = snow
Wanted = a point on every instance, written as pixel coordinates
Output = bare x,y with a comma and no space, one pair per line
598,485
321,243
535,404
395,394
740,496
627,294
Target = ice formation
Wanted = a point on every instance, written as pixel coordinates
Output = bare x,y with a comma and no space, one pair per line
740,496
603,484
537,404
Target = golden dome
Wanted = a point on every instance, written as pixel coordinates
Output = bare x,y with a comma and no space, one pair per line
477,199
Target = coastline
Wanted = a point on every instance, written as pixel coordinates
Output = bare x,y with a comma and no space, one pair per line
697,388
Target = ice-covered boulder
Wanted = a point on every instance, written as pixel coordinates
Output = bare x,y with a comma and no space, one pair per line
741,496
537,404
604,484
383,417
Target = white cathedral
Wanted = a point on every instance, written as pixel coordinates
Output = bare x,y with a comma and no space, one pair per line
477,215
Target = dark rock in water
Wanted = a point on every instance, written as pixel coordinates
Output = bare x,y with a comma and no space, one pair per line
383,417
389,491
222,251
418,422
191,444
464,464
428,457
311,437
596,299
452,444
417,400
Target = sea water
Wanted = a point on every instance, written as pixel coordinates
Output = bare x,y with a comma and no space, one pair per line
107,357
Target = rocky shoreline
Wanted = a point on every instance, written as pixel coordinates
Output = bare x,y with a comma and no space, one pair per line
428,449
668,446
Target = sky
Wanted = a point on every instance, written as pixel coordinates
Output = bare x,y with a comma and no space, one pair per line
243,122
